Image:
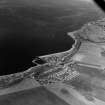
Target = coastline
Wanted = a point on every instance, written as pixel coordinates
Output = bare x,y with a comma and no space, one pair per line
65,55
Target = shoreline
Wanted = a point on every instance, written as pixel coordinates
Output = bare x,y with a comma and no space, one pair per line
64,56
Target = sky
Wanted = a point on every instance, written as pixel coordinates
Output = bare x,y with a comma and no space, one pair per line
87,0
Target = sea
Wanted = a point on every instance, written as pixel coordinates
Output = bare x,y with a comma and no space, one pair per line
19,46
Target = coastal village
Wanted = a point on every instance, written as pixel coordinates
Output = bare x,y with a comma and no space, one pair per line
82,68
